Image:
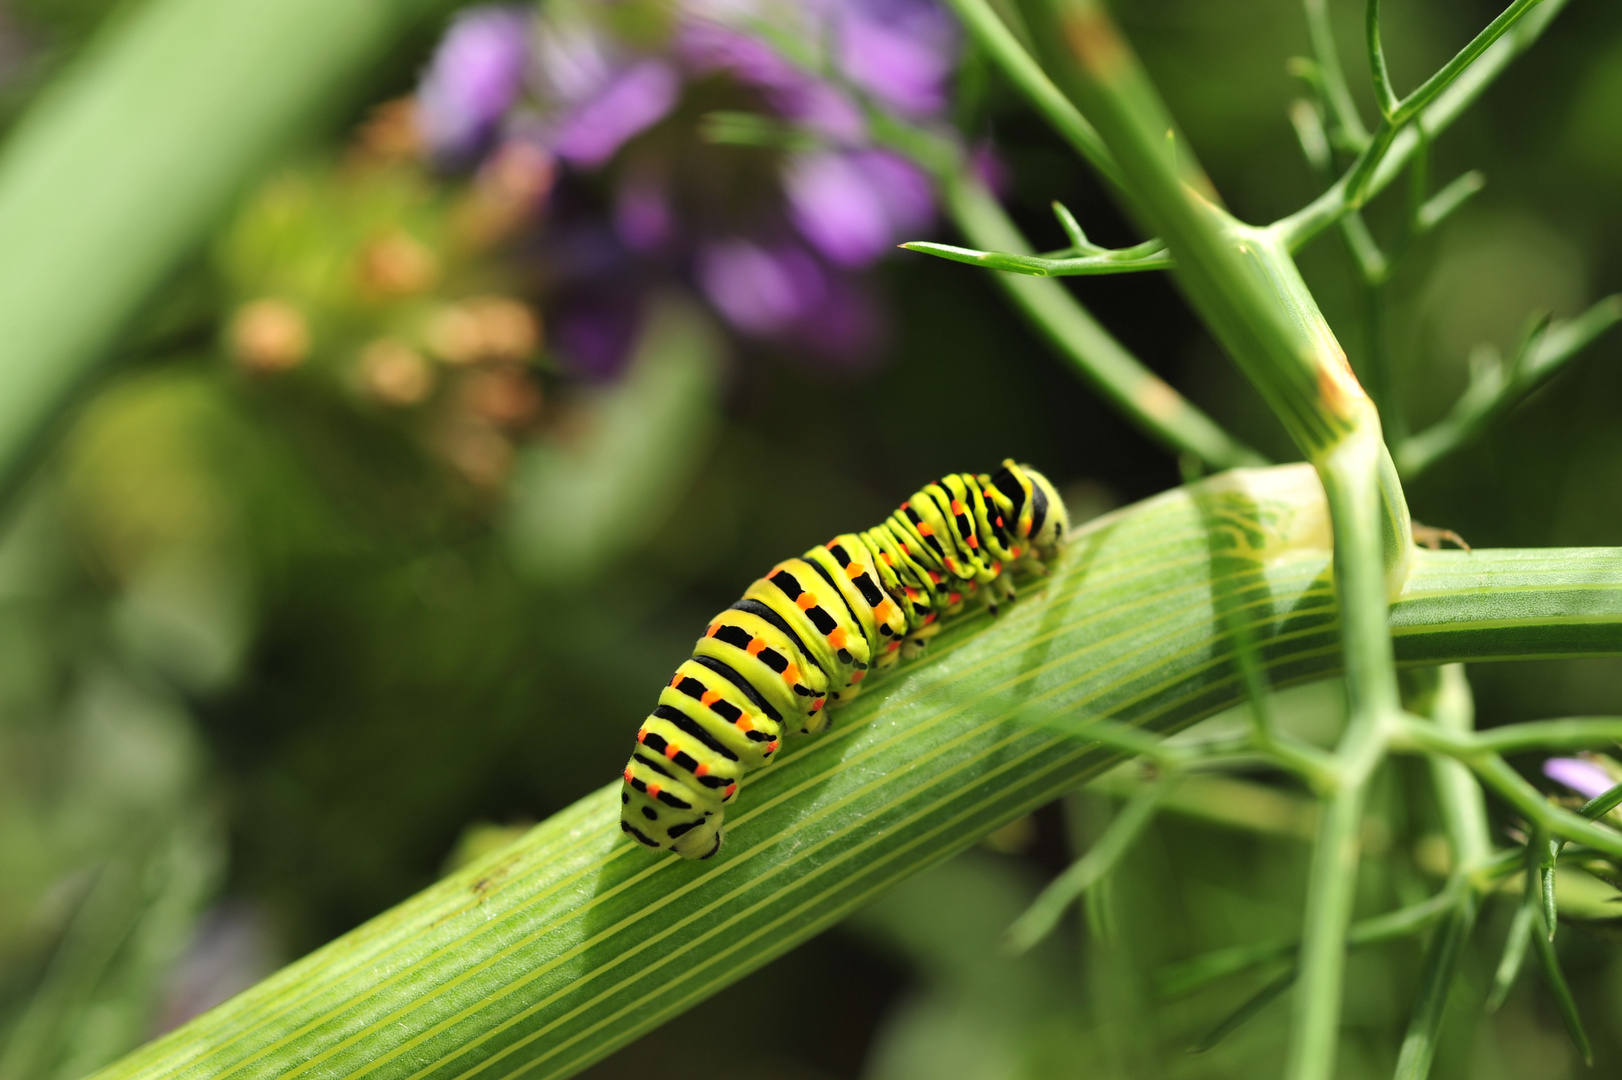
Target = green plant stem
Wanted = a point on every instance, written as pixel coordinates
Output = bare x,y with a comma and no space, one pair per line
549,954
1376,167
1048,908
1337,96
1384,96
988,30
116,174
1140,394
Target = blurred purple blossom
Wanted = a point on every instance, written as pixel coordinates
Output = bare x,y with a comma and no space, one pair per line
761,290
476,75
1584,777
593,330
795,94
630,102
901,51
783,292
643,219
854,205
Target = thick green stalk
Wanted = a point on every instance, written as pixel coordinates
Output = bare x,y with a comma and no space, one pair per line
116,174
551,953
1144,397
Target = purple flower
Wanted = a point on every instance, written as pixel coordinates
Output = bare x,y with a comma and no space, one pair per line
854,205
642,216
1584,777
476,75
783,293
761,290
633,100
794,94
900,51
594,331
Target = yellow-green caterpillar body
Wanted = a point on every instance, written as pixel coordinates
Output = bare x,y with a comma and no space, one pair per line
808,632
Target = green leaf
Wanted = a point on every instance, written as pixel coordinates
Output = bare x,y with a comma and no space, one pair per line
1543,942
1440,968
1515,942
1150,255
1045,912
546,956
117,173
1240,1016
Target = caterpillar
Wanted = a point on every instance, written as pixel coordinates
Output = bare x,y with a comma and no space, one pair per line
807,633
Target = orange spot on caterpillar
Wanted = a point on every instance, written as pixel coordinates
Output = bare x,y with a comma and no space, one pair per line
710,697
715,628
791,674
745,724
805,601
671,750
837,637
882,612
934,577
816,707
755,646
951,564
999,521
893,646
771,747
857,676
654,789
925,529
974,542
904,550
676,678
906,504
912,593
702,770
642,736
1014,552
929,618
957,507
854,570
885,555
730,791
1025,528
627,774
996,568
954,598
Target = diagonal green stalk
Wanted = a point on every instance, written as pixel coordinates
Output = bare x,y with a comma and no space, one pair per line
551,953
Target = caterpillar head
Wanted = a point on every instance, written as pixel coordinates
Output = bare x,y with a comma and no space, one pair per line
1039,518
1050,521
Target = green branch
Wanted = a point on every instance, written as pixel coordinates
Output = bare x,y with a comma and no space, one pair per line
1141,395
549,954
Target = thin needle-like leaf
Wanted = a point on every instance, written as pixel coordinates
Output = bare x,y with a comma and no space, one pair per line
1045,912
1543,943
1240,1016
1515,943
1440,968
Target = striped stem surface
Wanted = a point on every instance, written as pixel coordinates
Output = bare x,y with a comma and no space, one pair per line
571,942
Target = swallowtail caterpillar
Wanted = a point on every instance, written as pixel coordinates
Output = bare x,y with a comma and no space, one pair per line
806,634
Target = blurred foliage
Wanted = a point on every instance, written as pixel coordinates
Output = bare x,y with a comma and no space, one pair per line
275,646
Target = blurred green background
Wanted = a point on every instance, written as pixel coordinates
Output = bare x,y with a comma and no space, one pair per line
289,623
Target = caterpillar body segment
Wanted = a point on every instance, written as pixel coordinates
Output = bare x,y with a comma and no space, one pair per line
806,634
